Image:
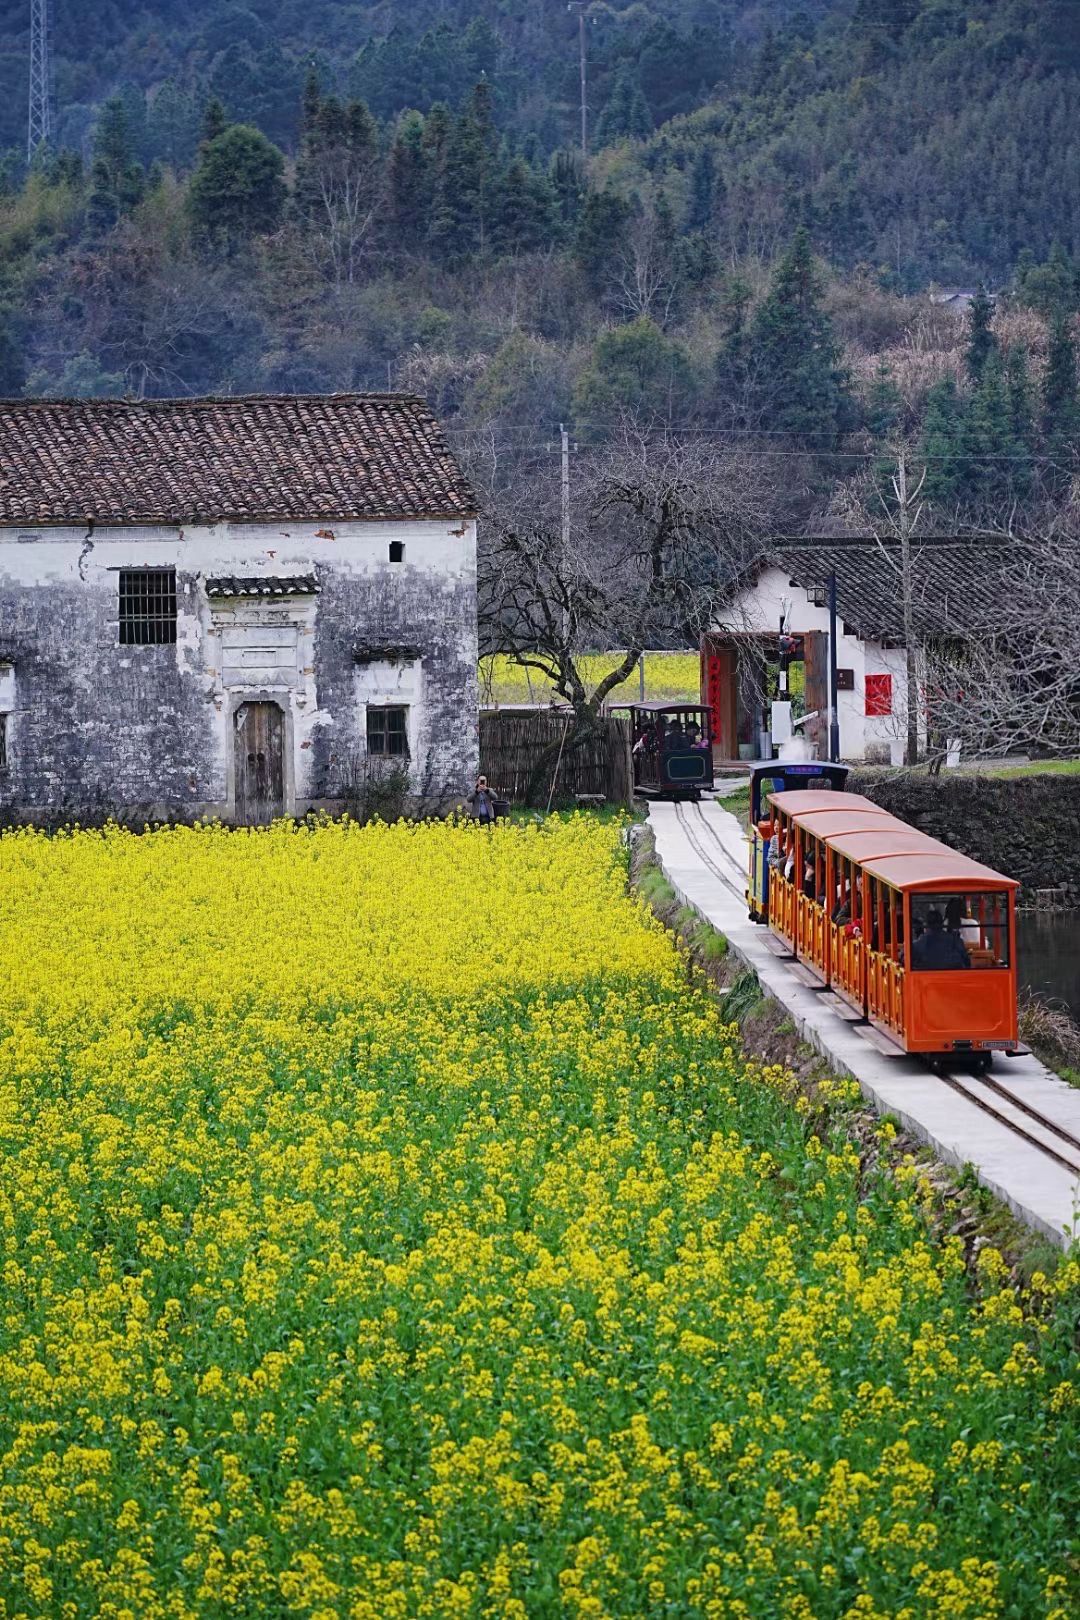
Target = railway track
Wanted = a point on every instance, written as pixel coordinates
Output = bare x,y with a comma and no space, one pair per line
984,1092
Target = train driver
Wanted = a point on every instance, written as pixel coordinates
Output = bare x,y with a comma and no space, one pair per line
939,947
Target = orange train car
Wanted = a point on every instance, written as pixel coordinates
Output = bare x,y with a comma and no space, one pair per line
916,938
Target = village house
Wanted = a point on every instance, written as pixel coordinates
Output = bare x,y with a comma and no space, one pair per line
952,584
232,607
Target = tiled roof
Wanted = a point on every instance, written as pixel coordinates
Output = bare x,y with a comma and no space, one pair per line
955,583
249,459
263,585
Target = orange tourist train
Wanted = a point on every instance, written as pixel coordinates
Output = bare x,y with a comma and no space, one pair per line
914,937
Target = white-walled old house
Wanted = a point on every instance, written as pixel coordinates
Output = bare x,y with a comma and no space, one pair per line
232,607
789,584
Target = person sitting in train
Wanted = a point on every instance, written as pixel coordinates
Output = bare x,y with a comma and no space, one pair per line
789,864
958,920
694,736
809,880
938,947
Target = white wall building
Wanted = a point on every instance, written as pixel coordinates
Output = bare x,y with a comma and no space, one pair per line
238,607
790,586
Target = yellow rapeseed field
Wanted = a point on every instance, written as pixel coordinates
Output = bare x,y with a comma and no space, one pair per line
669,677
391,1229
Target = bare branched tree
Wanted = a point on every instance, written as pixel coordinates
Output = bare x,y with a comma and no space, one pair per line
657,531
645,274
1012,684
990,667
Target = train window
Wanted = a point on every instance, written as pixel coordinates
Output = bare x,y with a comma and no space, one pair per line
959,930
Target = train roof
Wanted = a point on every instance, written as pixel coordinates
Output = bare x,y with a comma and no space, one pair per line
798,802
935,869
886,837
828,824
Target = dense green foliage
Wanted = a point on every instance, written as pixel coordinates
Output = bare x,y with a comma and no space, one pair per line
334,196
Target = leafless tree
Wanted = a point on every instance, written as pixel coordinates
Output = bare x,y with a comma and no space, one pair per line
990,666
645,275
655,532
1011,684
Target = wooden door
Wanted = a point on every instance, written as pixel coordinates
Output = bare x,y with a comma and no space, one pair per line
259,742
816,670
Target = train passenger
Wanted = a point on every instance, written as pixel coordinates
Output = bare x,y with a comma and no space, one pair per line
938,947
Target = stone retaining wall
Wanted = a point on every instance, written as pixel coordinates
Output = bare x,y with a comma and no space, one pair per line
1027,827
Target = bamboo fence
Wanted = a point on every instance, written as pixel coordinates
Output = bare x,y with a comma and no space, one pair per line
512,740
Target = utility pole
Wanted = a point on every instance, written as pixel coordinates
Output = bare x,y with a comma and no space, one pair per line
565,441
834,703
584,85
39,123
905,524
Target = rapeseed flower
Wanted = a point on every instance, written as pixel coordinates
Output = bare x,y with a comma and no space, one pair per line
389,1229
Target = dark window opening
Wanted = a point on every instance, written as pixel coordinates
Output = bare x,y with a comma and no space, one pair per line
960,929
3,742
397,551
147,606
388,732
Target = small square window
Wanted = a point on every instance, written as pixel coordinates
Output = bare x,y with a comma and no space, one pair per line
388,732
147,606
397,551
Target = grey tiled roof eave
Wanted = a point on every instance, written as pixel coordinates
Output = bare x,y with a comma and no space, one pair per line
253,458
956,582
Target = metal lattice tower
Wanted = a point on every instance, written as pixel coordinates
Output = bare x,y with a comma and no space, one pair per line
39,127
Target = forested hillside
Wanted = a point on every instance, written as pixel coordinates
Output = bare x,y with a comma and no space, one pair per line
328,195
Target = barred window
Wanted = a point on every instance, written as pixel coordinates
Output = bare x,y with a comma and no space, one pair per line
147,606
388,732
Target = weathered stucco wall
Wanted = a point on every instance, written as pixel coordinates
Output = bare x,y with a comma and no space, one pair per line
1022,826
96,727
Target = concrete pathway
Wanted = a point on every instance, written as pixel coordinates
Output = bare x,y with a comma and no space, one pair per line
964,1120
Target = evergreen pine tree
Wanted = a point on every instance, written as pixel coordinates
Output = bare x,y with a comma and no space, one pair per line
567,175
626,113
988,437
1021,422
981,340
214,121
524,213
408,183
238,189
701,204
117,181
1060,414
803,388
883,403
601,229
942,441
103,203
461,223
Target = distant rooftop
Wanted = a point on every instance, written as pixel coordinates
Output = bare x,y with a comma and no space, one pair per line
956,582
252,458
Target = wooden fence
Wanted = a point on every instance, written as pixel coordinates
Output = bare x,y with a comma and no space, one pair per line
512,741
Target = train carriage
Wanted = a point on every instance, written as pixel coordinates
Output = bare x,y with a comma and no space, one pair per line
671,749
919,940
941,953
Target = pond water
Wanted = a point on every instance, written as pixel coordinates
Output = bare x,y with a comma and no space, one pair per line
1048,955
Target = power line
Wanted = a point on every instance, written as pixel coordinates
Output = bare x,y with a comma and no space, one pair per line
39,122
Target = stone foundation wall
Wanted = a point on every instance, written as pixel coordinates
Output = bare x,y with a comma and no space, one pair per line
1027,827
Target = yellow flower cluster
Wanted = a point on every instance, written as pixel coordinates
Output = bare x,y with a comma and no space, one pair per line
673,677
389,1229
